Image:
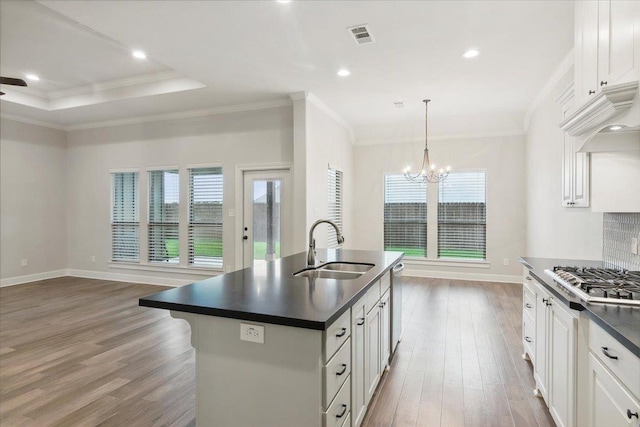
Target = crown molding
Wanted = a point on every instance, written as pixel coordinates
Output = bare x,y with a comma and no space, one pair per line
452,137
331,113
183,114
113,84
555,78
32,121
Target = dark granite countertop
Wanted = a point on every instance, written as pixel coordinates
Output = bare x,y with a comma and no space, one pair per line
269,292
621,321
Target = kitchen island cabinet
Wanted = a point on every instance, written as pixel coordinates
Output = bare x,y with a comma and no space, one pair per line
273,349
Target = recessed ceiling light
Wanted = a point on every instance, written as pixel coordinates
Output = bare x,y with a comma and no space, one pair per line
471,53
398,104
283,1
344,72
139,54
615,127
32,77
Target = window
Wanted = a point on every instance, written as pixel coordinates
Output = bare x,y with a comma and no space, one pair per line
405,216
164,195
205,217
125,217
334,181
462,216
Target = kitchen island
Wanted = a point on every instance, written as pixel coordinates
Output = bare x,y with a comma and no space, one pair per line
273,349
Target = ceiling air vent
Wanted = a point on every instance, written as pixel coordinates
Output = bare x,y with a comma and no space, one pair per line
361,34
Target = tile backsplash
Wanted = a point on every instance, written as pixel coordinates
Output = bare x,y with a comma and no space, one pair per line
619,229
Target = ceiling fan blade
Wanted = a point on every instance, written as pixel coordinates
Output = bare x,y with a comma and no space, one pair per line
12,81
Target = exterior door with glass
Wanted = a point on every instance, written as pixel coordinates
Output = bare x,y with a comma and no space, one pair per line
266,224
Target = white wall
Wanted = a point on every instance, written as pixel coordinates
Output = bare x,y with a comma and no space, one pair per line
503,160
552,230
328,143
32,202
260,137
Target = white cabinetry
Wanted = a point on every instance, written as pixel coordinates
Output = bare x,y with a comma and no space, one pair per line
549,339
372,353
385,330
575,165
606,45
358,384
614,382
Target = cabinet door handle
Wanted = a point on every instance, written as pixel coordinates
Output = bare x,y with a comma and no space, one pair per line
631,414
549,303
341,334
527,339
545,300
591,92
344,411
528,305
603,82
528,277
361,322
605,350
344,369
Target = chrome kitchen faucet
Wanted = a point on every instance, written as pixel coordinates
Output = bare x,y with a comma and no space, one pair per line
311,255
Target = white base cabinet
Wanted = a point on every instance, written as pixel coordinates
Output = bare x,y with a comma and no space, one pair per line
549,338
610,404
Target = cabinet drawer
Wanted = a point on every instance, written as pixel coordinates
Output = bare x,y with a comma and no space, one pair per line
336,335
340,408
528,281
609,402
622,363
528,336
336,372
347,422
528,302
373,296
385,282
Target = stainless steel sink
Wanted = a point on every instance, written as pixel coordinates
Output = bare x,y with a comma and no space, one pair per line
347,266
328,274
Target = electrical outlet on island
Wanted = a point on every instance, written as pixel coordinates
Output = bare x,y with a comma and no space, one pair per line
252,333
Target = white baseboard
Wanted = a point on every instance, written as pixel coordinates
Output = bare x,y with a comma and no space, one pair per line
18,280
480,277
132,278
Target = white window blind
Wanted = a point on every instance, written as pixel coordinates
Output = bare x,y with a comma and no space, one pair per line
205,217
335,192
462,216
405,216
125,217
164,203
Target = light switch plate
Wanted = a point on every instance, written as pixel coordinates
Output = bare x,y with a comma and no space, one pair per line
252,333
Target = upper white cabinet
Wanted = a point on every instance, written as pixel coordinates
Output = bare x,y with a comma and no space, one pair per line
606,45
575,165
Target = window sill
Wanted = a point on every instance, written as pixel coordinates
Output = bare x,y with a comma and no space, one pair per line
447,262
174,268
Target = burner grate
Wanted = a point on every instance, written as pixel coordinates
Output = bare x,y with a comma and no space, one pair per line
602,282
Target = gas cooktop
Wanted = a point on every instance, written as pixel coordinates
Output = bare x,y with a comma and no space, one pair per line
603,285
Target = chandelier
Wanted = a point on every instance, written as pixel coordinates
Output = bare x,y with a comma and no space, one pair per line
429,172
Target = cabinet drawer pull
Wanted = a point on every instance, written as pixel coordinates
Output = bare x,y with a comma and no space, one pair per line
591,92
603,82
528,277
527,339
605,350
361,322
545,300
528,305
341,334
631,414
344,411
548,303
344,369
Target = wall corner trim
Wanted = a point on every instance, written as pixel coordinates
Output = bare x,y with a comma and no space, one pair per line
331,113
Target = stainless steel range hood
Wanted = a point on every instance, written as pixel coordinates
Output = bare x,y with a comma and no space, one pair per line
617,105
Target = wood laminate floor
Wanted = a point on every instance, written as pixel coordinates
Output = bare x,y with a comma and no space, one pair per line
81,352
